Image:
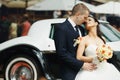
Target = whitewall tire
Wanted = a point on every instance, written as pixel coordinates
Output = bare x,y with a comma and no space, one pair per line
21,68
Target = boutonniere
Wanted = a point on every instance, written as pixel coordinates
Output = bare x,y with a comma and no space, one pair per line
77,41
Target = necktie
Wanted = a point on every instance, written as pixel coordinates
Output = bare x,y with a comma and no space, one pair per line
76,27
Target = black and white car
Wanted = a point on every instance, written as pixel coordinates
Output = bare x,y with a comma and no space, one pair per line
34,55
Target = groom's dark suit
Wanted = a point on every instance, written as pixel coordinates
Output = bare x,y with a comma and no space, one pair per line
64,39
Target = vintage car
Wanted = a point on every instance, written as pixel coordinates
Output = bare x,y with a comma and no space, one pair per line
33,56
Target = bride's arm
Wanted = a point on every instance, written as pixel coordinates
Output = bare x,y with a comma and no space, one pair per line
80,52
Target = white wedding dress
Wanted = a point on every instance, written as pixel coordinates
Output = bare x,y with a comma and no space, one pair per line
104,71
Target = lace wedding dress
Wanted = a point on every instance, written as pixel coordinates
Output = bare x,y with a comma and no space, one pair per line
104,71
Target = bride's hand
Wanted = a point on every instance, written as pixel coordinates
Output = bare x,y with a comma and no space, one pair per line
89,66
95,60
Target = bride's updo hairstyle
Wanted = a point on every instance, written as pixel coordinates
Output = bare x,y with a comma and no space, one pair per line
99,33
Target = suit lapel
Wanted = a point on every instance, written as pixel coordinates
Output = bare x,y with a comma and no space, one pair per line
70,27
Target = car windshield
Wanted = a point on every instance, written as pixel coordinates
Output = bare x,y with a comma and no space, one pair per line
109,32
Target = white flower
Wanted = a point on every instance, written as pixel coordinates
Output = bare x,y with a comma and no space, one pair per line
77,41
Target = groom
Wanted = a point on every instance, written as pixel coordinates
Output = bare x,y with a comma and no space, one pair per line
64,36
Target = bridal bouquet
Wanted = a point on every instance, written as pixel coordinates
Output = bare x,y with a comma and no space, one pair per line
104,52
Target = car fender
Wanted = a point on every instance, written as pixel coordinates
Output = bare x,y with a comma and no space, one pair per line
44,45
36,46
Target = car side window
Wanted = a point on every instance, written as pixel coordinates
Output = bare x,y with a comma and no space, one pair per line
52,30
108,34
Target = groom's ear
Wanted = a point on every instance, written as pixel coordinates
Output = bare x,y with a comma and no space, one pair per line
78,13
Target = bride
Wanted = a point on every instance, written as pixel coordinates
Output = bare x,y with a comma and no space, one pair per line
89,44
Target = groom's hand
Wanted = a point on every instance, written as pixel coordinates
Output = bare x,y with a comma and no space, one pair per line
89,66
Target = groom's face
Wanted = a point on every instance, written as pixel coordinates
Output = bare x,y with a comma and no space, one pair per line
82,18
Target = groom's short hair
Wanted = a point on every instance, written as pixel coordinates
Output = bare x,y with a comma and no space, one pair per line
80,7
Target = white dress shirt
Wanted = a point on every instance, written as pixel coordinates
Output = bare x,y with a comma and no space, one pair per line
73,25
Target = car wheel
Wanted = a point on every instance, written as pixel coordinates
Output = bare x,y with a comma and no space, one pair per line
22,68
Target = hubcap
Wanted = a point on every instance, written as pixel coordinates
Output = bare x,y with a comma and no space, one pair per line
21,71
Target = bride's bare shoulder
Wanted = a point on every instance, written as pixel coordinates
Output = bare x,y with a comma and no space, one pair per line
83,39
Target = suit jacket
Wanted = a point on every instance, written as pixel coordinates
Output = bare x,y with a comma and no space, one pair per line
64,36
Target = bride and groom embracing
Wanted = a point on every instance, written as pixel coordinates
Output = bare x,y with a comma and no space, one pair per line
80,62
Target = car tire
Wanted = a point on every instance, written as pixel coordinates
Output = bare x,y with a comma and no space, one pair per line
22,68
